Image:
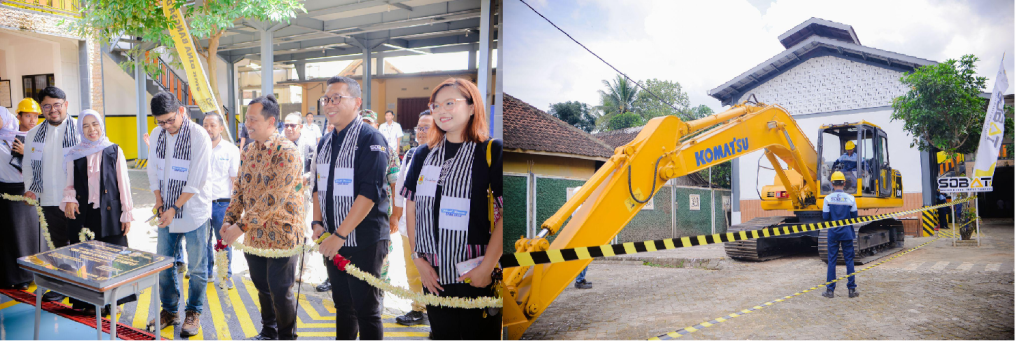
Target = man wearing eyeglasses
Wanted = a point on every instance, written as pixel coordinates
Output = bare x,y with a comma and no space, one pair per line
418,314
349,204
180,152
44,174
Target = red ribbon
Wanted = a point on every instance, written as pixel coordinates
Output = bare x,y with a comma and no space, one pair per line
341,262
220,245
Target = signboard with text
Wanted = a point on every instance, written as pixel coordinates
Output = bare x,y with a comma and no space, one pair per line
961,184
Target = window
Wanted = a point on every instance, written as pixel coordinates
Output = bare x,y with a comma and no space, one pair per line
33,84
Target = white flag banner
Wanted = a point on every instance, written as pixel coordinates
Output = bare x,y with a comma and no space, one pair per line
992,132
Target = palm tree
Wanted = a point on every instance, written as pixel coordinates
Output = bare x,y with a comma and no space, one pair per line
619,96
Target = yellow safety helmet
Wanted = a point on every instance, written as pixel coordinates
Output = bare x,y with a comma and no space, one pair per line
850,145
28,105
838,176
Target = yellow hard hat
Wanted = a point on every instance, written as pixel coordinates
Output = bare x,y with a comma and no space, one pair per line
28,105
850,145
838,176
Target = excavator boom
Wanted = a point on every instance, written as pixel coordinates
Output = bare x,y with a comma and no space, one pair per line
665,148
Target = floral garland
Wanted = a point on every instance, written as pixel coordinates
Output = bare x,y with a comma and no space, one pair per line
86,234
39,210
342,264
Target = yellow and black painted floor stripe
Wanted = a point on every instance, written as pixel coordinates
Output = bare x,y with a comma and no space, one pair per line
234,315
510,260
141,163
707,324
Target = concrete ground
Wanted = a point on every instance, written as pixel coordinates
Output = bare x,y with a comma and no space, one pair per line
234,314
936,292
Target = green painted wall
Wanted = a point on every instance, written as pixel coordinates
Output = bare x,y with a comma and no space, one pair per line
514,212
551,197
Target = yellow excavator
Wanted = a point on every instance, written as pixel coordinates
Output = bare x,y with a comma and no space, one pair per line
668,148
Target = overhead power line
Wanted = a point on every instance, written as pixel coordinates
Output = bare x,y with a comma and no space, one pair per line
681,112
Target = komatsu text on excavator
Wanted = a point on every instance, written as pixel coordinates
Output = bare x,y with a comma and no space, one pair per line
667,148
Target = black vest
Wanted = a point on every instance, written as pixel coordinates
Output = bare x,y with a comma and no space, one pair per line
109,211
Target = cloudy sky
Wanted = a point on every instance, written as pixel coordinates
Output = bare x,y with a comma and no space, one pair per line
703,44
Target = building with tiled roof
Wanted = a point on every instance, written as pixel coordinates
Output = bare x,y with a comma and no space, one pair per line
544,159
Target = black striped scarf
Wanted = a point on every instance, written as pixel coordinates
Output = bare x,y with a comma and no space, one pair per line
447,244
345,162
71,138
170,189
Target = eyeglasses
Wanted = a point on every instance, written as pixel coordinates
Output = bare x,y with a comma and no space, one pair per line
422,129
48,107
333,99
448,105
167,122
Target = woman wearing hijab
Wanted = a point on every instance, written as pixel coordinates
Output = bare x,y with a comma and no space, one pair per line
19,224
98,195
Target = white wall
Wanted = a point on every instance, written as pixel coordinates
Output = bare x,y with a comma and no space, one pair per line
119,90
828,84
67,79
28,54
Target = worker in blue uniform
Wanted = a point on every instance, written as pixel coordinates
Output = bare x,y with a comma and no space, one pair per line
838,206
849,159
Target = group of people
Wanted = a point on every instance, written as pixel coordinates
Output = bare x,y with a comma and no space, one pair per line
282,188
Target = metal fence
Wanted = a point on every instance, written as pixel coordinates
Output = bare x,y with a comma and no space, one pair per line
675,211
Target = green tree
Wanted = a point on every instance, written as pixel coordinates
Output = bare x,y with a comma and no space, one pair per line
943,105
618,96
702,111
104,19
625,120
652,103
575,113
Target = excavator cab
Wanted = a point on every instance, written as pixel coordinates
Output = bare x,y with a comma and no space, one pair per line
860,151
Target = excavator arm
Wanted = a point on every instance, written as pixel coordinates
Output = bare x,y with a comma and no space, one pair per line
666,148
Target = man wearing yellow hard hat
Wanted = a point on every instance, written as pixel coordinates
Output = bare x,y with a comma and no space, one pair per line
28,117
839,205
849,159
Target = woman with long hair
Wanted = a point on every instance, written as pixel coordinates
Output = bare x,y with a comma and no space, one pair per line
454,185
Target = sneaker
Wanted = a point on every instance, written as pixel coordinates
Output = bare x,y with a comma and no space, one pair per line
191,325
22,286
53,296
854,293
411,318
325,286
584,285
166,319
266,334
828,294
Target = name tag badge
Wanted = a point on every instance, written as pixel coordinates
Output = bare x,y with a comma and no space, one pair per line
454,214
426,184
37,151
321,176
343,182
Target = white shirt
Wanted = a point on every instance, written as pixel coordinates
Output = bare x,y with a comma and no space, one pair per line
392,133
400,202
312,131
223,167
197,209
8,174
53,163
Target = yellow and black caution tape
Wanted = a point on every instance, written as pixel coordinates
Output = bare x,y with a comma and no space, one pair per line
510,260
707,324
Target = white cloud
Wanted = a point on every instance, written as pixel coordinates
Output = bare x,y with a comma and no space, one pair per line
703,44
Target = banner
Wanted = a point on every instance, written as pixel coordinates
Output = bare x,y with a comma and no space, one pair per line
190,59
992,131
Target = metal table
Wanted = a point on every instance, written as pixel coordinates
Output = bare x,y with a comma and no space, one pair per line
97,273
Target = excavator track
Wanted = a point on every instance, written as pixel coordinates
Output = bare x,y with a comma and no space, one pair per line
763,249
873,240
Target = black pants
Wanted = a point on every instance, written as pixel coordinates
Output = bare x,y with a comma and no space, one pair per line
357,302
273,279
463,324
943,217
57,225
